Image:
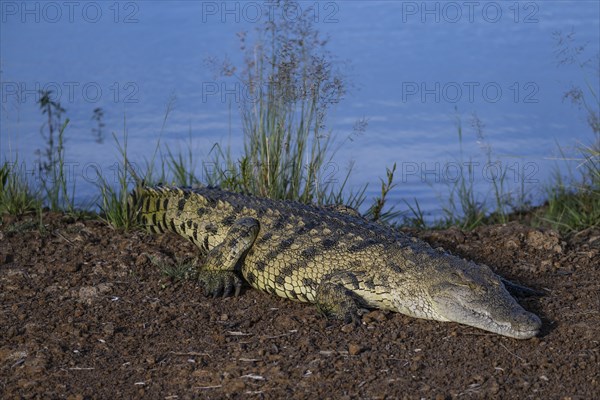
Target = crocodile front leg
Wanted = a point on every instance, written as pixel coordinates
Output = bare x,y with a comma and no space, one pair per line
336,297
218,275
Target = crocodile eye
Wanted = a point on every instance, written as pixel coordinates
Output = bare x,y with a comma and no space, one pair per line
463,281
458,277
495,282
460,281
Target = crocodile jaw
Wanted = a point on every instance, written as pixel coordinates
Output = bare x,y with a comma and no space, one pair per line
494,311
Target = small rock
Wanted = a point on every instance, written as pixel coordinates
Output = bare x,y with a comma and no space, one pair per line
492,386
544,241
354,349
104,288
141,260
545,265
71,267
109,329
536,239
511,244
236,386
31,328
26,383
376,315
414,367
457,235
87,293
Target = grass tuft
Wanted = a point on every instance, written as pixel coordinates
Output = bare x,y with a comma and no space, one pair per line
464,206
17,197
574,204
52,158
114,208
291,82
177,270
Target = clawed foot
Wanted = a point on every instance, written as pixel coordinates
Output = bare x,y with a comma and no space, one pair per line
346,311
219,283
335,300
352,317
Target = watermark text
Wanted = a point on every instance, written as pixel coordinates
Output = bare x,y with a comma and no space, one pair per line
455,92
469,11
53,12
326,12
70,92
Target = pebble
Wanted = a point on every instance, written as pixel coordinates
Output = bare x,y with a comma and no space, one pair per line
354,349
236,386
109,329
140,260
72,267
376,315
87,293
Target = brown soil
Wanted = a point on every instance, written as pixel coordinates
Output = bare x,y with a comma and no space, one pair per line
85,314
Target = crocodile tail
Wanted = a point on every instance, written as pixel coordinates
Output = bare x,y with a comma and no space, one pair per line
149,206
134,203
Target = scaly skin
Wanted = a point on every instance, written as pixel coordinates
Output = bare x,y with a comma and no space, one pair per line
329,256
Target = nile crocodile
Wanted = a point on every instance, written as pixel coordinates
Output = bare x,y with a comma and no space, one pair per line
330,256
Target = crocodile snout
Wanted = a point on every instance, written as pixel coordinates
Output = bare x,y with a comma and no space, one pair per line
526,325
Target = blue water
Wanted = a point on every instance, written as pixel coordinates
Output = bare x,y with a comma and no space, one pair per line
415,67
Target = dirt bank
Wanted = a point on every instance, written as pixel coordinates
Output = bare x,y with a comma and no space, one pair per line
85,314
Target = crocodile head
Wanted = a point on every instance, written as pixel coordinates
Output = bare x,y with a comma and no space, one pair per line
452,289
472,294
